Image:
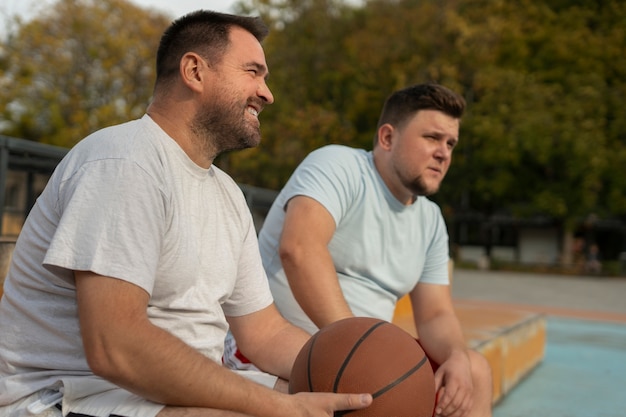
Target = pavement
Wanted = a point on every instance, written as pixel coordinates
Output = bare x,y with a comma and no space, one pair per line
584,368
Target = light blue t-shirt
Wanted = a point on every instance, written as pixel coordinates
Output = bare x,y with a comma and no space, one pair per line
381,248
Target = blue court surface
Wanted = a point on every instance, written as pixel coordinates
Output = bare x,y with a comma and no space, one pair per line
583,374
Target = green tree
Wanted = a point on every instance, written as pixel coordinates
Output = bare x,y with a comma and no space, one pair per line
304,52
545,80
535,140
78,66
610,23
545,128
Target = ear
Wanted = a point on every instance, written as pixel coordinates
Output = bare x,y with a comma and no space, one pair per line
385,136
192,72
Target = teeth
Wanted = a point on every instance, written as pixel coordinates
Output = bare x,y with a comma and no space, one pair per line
253,111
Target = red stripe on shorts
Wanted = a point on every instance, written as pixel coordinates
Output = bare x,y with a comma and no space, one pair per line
241,357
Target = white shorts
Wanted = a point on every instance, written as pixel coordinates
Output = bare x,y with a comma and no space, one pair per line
93,396
233,358
88,396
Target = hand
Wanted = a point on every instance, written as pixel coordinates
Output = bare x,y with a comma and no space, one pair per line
322,404
453,382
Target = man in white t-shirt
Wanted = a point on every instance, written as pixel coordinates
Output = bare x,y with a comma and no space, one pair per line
353,231
140,254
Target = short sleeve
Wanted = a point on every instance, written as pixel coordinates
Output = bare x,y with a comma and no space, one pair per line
112,220
437,252
329,175
251,292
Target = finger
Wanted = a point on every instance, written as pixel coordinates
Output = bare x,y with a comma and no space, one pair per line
450,400
352,401
439,401
438,379
457,406
467,405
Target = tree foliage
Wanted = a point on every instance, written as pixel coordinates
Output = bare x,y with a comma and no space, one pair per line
545,129
545,81
78,66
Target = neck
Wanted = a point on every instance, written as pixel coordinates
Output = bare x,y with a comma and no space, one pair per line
176,125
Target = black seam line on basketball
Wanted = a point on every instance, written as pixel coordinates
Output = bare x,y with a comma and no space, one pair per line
308,363
387,388
352,351
402,378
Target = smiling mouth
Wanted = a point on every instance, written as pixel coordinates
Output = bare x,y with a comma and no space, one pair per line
253,111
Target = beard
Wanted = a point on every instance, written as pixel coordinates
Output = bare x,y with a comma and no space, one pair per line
419,187
222,126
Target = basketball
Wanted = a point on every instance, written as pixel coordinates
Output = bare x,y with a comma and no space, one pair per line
366,355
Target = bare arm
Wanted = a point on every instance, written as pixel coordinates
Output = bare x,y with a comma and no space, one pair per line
436,322
307,230
268,340
124,347
441,337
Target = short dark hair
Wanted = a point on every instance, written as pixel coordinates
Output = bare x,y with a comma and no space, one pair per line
402,105
204,32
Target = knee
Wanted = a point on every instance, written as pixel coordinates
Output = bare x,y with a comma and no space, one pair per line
481,370
483,385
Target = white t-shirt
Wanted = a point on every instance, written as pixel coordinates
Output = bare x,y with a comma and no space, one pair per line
127,202
380,248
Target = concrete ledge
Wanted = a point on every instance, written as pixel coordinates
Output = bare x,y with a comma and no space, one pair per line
513,341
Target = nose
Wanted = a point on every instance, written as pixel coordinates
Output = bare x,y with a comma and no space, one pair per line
443,152
264,92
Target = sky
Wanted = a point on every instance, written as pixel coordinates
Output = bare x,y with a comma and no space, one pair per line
176,8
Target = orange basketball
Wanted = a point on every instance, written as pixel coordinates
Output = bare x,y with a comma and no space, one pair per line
366,355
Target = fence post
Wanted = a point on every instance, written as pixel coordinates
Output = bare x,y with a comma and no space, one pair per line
6,251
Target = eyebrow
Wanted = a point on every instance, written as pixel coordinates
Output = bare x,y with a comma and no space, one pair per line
441,135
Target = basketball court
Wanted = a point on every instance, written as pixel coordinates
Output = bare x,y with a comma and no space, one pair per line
583,373
583,369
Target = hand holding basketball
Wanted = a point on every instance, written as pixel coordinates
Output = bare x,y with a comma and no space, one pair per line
359,354
333,404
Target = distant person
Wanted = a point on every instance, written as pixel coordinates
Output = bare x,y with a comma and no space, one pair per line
593,264
352,232
578,254
140,254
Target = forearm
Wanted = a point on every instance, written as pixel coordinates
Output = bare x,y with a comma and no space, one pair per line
124,347
315,286
272,344
307,231
441,336
158,366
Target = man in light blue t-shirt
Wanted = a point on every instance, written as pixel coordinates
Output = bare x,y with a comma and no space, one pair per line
352,232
